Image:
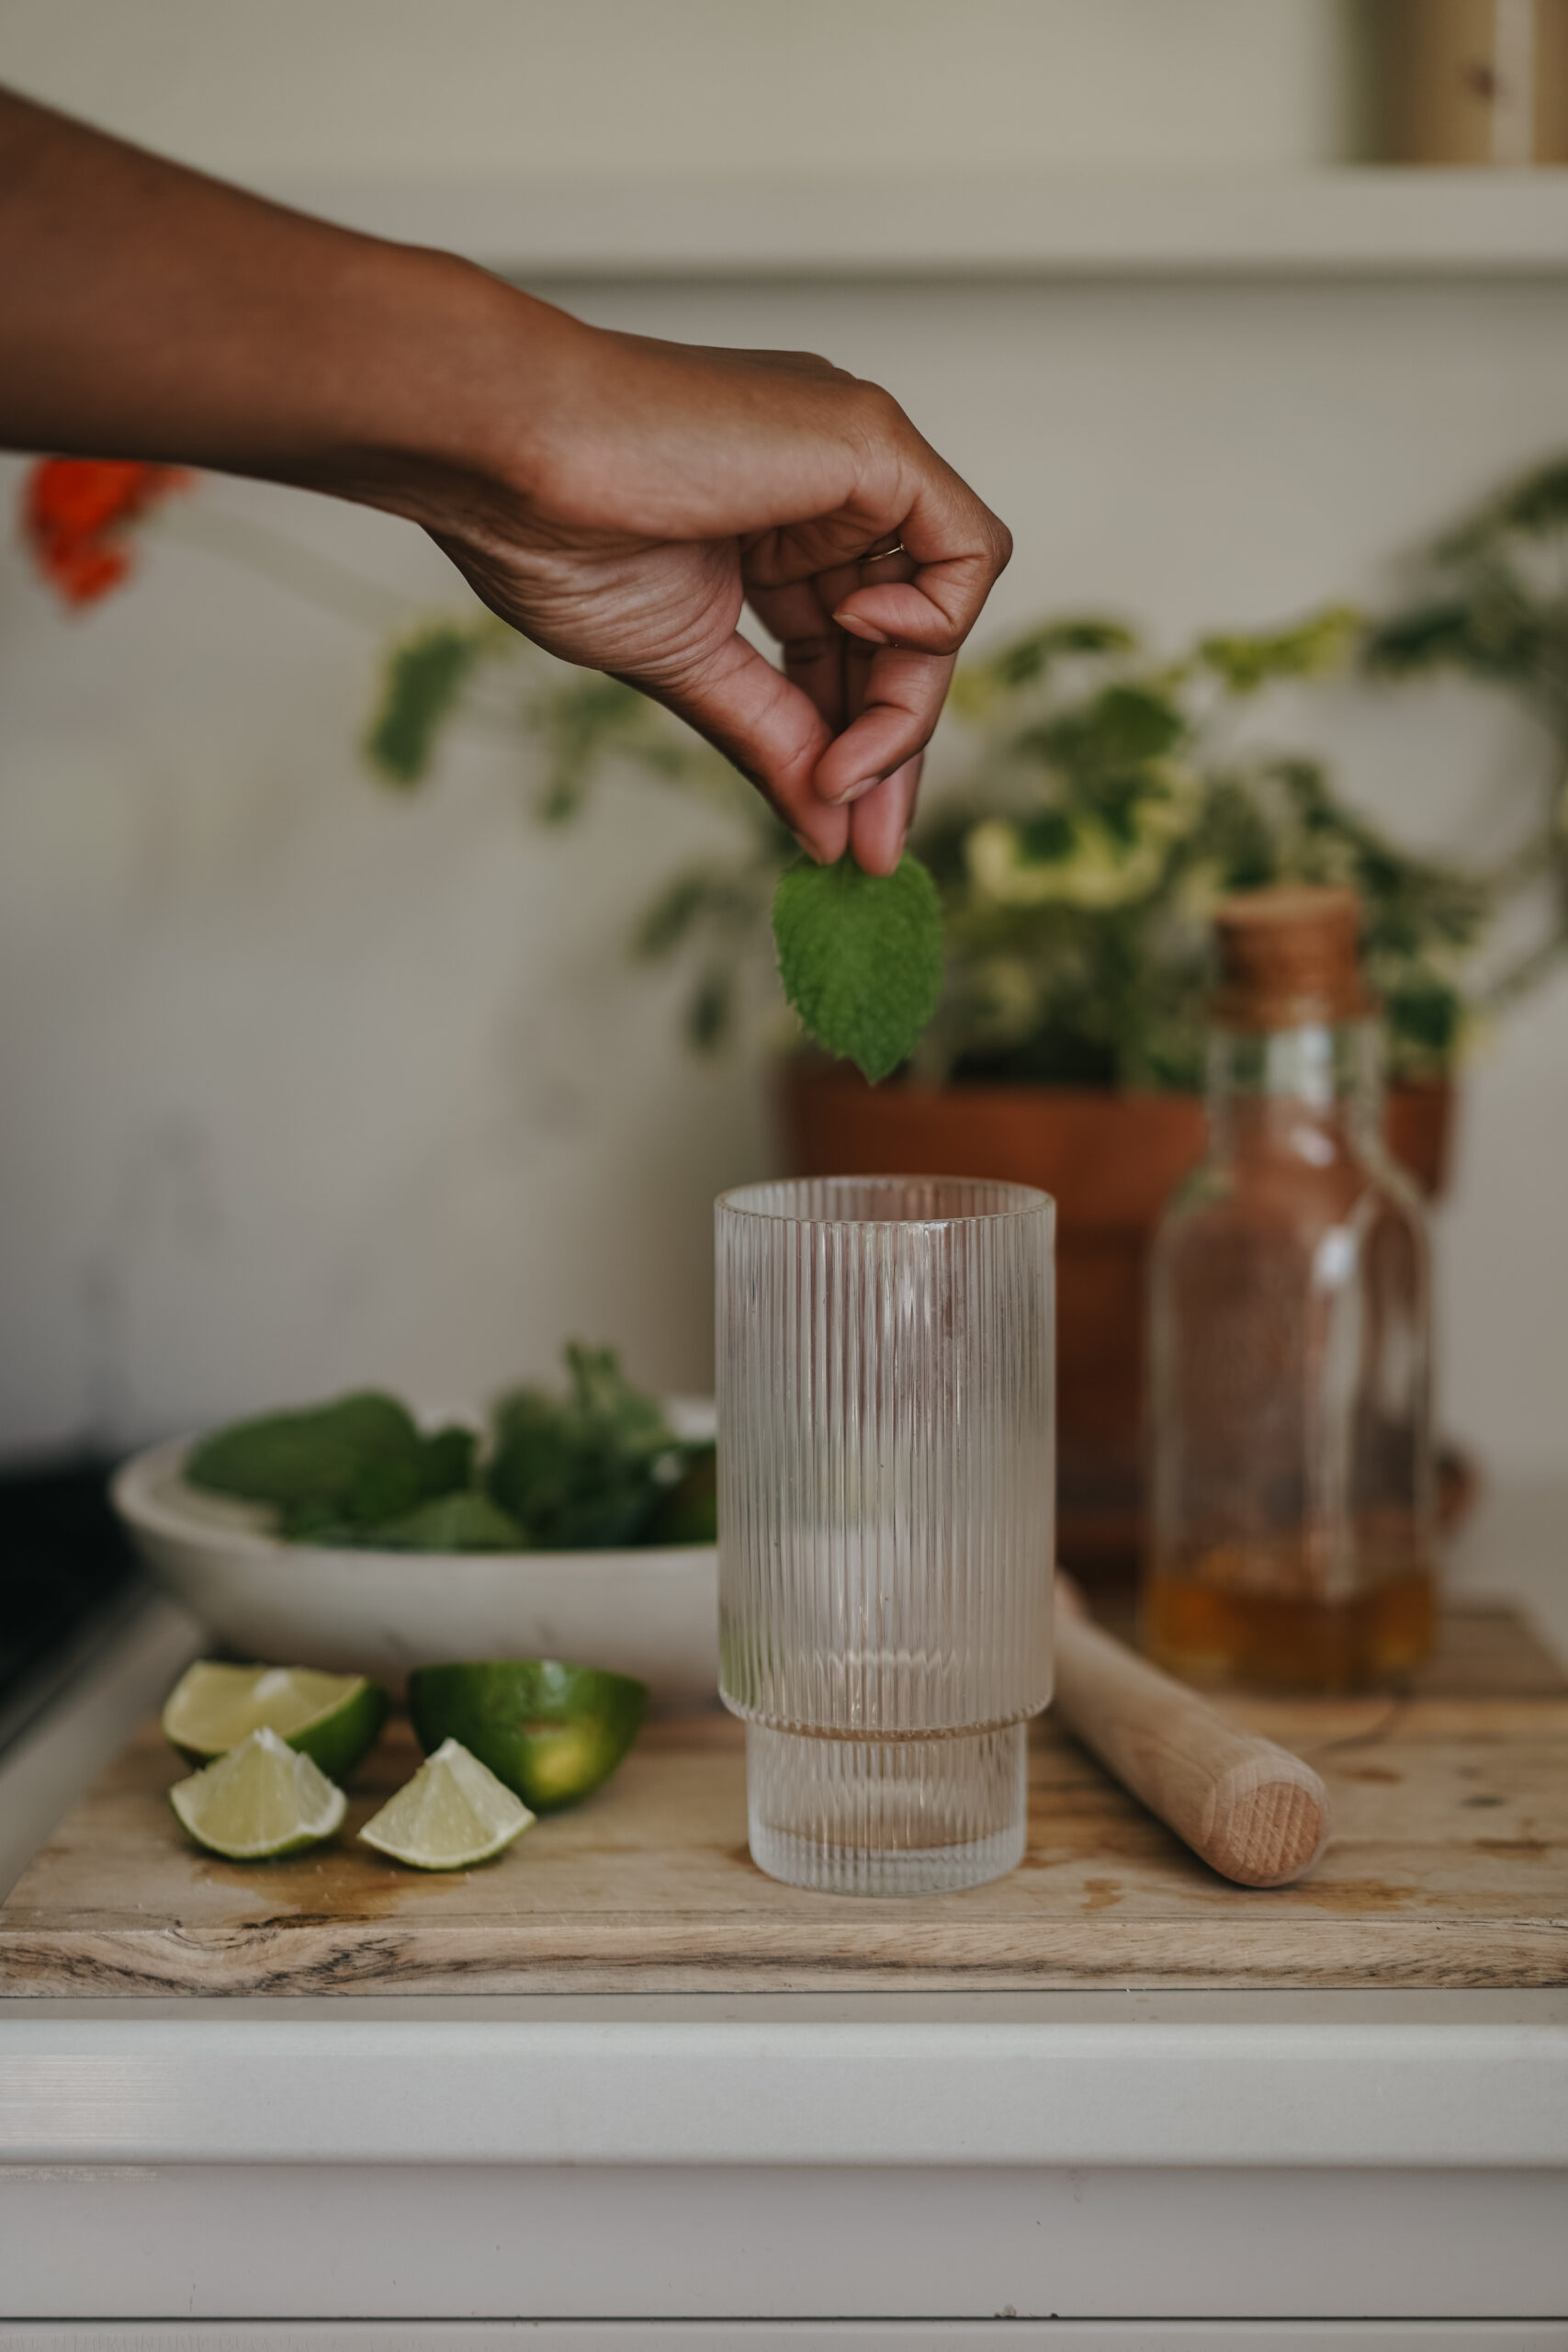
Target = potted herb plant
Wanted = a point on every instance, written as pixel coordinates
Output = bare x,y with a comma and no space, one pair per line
1101,797
1101,802
1108,807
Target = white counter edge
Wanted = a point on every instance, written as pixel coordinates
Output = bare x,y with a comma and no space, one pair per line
61,1753
92,2092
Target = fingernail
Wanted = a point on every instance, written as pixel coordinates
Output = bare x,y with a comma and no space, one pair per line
853,791
857,628
807,849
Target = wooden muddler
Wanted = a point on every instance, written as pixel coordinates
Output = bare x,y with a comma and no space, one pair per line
1252,1811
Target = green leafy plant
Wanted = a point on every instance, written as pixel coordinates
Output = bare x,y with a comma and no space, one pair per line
1055,924
360,1462
588,1470
595,1468
425,674
1099,799
1109,801
1493,606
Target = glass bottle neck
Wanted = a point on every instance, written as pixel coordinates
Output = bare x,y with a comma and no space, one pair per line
1309,1091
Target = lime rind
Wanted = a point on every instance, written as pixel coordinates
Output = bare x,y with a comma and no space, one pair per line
550,1731
453,1814
335,1718
261,1801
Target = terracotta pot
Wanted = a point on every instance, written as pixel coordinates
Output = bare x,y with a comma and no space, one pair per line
1111,1161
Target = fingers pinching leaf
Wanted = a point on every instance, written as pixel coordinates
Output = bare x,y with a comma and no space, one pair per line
860,955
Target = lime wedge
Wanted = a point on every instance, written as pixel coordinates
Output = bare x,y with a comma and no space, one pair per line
450,1815
334,1719
262,1798
552,1733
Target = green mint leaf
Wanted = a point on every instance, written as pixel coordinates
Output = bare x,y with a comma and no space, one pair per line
447,1462
581,1472
687,1512
860,955
466,1522
320,1453
423,678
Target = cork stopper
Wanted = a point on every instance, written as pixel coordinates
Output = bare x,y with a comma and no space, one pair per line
1289,955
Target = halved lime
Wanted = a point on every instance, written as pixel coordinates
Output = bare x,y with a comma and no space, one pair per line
450,1815
263,1799
334,1719
552,1733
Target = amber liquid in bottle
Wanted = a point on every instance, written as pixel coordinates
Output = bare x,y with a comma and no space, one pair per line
1290,1352
1294,1643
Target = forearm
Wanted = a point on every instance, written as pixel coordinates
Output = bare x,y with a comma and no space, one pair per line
618,501
147,312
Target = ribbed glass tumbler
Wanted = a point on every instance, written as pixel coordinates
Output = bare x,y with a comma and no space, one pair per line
886,1494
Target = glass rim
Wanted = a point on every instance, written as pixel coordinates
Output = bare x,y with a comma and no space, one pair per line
1025,1200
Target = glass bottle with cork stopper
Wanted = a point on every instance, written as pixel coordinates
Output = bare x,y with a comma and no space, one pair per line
1290,1346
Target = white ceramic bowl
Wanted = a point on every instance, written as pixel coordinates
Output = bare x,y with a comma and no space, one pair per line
653,1612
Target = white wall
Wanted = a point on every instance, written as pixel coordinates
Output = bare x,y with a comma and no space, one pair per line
321,88
301,1085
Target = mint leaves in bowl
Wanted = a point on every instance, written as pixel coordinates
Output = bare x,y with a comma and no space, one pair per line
576,1523
595,1469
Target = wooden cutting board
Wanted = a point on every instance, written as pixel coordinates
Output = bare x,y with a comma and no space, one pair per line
1450,1868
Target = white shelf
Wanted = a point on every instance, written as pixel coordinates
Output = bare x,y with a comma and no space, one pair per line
1354,223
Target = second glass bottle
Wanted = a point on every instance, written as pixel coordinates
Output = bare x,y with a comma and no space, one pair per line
1290,1352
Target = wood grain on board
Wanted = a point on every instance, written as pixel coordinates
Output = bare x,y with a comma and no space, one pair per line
1449,1867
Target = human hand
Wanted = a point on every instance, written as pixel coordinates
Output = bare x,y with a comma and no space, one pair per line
617,500
655,489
